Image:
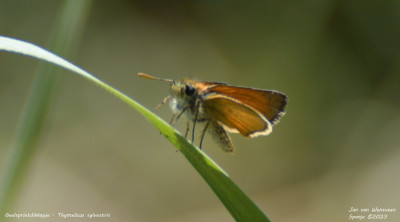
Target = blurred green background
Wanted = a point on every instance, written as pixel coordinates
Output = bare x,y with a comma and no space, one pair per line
337,147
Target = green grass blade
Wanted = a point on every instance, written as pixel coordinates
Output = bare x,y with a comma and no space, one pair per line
68,27
235,200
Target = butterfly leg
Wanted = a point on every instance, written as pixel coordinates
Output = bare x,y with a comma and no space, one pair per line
187,128
180,114
173,121
162,103
195,120
203,133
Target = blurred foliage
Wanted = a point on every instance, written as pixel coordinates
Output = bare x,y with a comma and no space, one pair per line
337,146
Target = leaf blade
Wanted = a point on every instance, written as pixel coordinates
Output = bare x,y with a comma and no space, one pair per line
241,207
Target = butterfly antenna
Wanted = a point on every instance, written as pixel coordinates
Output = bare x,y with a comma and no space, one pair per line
146,76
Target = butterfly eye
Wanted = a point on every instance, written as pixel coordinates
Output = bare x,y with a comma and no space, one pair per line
189,90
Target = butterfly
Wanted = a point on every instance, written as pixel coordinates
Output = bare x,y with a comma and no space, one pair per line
224,108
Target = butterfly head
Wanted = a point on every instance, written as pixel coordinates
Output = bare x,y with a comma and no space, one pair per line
183,95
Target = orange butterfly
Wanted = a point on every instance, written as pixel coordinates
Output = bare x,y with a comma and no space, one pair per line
223,108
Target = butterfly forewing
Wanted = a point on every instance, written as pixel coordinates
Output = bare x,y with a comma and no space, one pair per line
236,116
270,103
